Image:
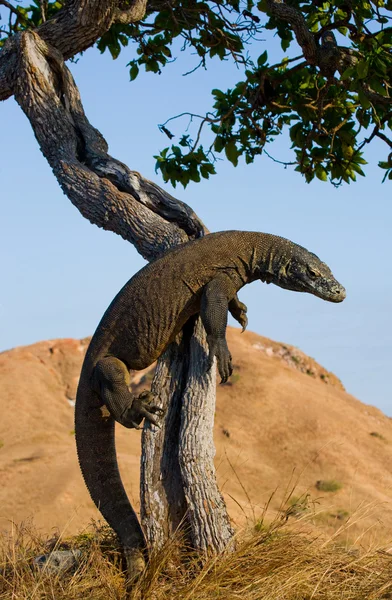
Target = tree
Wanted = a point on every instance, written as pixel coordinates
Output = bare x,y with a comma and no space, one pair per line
332,100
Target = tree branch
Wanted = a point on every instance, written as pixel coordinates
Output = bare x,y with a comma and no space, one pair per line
7,68
10,7
295,18
73,29
384,138
375,97
130,14
78,25
105,190
329,57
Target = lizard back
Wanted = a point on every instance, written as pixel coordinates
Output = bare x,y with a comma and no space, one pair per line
154,304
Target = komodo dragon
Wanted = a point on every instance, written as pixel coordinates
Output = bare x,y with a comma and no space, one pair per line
202,276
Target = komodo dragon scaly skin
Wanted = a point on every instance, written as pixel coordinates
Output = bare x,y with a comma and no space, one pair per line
202,276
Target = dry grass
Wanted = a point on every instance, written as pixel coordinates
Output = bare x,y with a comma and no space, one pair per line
278,562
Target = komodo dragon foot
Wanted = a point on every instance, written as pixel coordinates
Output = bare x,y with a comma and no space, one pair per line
111,381
142,407
218,347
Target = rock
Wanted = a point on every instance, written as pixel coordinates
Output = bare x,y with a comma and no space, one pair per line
58,561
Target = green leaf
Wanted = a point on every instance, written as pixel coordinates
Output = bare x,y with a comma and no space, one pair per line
296,132
362,69
262,59
348,73
321,173
218,94
205,171
318,154
194,175
262,6
166,51
377,86
364,100
384,165
380,65
176,151
184,141
133,71
210,168
219,143
152,65
358,169
232,153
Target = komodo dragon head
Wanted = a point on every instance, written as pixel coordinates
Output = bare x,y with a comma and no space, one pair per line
302,271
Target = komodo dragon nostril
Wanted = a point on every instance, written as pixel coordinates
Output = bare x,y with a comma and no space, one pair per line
341,292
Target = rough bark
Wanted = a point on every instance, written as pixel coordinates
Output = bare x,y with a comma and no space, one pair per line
206,507
295,18
73,29
197,504
118,199
163,505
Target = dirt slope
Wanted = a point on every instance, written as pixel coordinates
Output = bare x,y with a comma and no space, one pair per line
282,420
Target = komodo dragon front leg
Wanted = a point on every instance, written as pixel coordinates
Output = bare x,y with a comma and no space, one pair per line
111,381
219,296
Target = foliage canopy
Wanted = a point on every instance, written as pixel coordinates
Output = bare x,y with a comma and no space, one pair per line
331,100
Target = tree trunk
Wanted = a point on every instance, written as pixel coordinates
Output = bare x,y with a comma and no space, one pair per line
178,484
208,519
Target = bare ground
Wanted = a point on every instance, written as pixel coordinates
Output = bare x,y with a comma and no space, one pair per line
282,422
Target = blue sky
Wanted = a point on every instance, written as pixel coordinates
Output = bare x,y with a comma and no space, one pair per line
59,272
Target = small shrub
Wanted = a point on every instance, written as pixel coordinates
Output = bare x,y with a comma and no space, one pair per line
340,515
298,505
234,379
328,485
378,435
259,526
1,443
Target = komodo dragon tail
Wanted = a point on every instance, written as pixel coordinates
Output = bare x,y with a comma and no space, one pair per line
95,443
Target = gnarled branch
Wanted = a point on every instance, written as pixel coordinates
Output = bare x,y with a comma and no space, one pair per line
295,18
73,29
116,198
130,13
105,190
328,56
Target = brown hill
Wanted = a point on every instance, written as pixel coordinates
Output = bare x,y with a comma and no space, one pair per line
282,420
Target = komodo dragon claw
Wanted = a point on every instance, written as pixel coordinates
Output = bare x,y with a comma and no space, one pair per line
238,310
142,408
218,348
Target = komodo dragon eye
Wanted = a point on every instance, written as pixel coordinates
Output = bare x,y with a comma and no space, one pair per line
313,274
